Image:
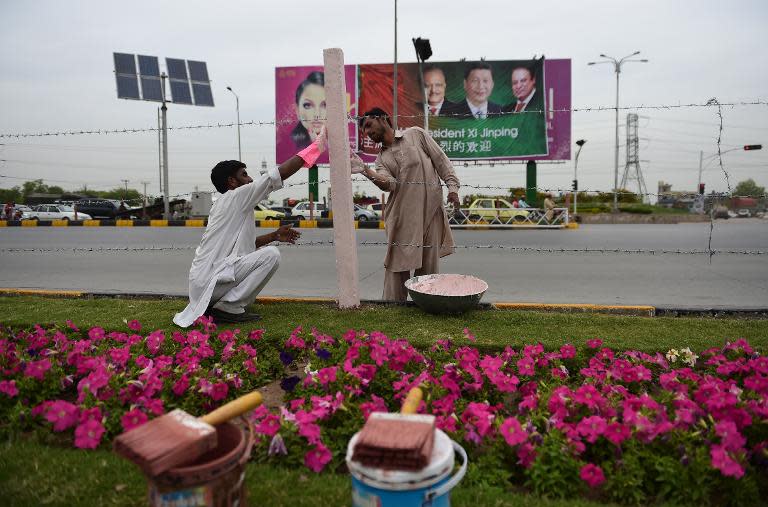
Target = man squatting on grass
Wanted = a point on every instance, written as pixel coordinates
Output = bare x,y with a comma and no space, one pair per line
417,225
232,265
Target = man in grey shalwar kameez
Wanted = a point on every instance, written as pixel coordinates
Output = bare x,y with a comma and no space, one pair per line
410,167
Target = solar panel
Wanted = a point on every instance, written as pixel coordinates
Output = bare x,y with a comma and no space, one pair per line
177,69
125,63
198,71
203,95
180,92
127,87
148,66
151,89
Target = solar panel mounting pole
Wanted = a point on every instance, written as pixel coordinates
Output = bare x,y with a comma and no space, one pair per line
164,121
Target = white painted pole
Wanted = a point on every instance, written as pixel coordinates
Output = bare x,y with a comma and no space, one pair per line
344,237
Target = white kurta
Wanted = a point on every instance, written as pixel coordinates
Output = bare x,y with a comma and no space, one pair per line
230,235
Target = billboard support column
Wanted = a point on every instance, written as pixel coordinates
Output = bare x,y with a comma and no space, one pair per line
344,238
530,183
313,188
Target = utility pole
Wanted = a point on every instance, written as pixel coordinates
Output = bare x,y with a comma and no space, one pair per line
617,69
125,194
144,206
394,81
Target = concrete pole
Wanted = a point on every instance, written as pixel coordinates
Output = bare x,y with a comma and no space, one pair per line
344,237
616,154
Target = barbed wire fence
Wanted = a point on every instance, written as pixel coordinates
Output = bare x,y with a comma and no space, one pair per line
710,252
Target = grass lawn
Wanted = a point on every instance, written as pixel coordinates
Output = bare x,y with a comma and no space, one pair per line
493,329
32,474
35,472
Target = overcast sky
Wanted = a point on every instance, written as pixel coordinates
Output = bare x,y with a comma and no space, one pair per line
57,74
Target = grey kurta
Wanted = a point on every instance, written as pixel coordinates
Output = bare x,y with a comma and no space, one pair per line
413,166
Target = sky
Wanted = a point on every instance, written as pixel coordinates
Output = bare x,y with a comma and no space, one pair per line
57,75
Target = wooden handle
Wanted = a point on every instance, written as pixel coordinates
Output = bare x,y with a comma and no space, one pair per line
411,403
233,409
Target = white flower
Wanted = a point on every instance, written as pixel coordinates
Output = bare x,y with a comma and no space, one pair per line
672,355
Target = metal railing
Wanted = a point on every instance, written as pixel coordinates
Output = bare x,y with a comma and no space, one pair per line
532,218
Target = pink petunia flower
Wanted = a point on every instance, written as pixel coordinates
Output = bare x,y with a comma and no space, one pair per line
270,425
219,391
96,333
90,414
88,434
62,414
592,428
723,461
567,351
256,334
512,432
327,375
134,325
592,475
616,433
526,366
594,343
316,459
8,388
133,419
37,369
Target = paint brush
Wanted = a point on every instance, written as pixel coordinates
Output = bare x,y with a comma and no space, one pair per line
177,437
397,441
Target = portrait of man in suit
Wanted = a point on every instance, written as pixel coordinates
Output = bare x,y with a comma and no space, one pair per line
524,90
434,86
478,86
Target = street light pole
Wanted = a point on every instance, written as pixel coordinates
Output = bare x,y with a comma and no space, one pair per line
617,68
237,107
394,80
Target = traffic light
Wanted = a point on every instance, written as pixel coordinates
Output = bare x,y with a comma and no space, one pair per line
701,188
575,185
750,147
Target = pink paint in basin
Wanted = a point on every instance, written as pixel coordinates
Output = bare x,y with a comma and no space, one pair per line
447,293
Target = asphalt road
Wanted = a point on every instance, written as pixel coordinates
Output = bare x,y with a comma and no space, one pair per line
672,280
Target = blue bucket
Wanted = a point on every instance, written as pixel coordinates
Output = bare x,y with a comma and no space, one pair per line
429,487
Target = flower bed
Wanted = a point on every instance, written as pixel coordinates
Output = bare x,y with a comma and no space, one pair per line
622,426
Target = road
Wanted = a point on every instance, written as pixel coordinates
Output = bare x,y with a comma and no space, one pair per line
672,280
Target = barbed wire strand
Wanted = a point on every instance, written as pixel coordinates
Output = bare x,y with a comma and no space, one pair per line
354,118
511,248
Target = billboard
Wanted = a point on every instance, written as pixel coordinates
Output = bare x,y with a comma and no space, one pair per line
492,110
300,108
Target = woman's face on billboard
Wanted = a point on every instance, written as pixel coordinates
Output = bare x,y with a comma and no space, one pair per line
311,109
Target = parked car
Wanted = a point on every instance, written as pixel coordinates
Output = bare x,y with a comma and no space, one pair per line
720,212
54,212
301,210
376,207
496,209
364,215
98,208
263,212
286,210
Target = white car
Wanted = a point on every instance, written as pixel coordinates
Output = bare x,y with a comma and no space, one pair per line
55,212
301,210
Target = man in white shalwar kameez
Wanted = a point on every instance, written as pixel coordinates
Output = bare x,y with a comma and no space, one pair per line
232,265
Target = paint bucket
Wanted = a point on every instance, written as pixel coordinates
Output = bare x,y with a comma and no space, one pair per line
428,487
215,479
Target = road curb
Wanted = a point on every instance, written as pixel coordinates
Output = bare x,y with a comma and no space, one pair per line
627,310
320,223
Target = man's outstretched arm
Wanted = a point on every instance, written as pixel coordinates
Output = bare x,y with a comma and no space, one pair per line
305,158
285,234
